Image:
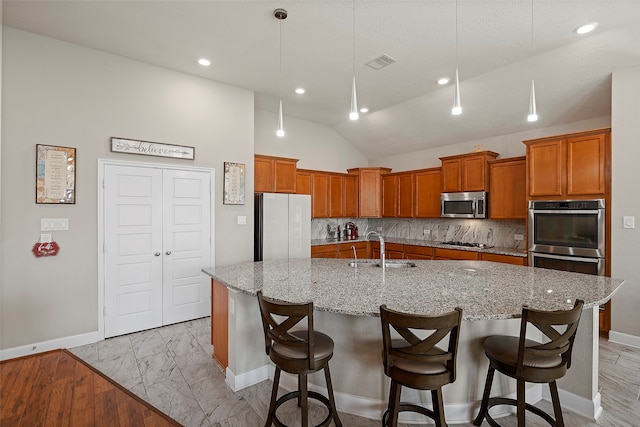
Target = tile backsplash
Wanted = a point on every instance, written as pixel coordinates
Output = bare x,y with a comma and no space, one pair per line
486,231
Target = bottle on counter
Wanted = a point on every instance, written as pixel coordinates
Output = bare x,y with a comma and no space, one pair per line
338,233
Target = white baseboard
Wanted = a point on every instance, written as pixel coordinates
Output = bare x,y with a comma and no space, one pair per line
246,379
626,339
64,342
590,409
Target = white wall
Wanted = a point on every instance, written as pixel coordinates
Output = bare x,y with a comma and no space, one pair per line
625,201
506,145
317,146
63,94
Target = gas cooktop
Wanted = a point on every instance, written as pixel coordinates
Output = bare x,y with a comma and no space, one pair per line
467,244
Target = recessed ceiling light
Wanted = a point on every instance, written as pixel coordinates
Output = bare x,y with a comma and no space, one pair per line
300,90
204,62
586,28
443,80
364,110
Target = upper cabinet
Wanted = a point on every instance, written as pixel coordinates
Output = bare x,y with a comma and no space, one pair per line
369,191
569,166
508,188
466,172
274,174
333,195
428,185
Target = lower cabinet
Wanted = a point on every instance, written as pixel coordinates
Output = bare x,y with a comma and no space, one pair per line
508,259
325,251
418,252
442,253
220,323
340,250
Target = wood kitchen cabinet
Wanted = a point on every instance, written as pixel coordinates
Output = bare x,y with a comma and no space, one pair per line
572,166
466,172
304,182
351,196
392,250
369,190
454,254
390,195
428,186
508,259
340,250
508,188
336,196
220,323
320,195
274,174
398,195
325,251
418,252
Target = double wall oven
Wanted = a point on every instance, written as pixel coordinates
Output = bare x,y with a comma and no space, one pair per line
567,235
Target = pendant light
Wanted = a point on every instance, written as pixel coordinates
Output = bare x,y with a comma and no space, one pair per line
280,15
457,106
533,114
353,112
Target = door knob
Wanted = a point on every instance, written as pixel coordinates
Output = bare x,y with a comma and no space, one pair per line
168,252
157,254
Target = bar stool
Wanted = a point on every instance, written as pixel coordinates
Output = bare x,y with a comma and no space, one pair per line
530,361
297,351
416,362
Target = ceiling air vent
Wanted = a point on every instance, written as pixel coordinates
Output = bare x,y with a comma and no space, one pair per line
381,62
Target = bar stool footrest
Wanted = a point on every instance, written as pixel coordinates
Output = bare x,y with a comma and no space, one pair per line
408,407
495,401
311,395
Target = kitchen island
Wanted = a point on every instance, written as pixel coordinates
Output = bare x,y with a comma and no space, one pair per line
347,301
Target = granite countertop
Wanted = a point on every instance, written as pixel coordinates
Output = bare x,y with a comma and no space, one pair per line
429,243
484,290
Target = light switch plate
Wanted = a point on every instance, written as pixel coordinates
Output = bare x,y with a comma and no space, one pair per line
628,222
54,224
242,220
45,238
518,237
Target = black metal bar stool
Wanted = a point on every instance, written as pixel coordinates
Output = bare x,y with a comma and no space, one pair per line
530,361
416,362
298,351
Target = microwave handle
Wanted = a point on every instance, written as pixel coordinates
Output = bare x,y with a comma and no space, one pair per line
474,207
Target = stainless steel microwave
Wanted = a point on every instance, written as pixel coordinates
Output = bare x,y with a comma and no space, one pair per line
463,205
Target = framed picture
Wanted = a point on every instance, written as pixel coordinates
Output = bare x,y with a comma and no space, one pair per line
233,184
55,174
147,148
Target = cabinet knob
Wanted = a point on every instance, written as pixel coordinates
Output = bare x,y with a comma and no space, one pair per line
157,254
168,252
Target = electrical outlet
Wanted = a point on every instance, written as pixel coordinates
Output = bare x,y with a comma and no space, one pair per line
518,237
426,232
379,229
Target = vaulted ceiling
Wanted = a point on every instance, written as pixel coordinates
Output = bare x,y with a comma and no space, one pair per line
497,57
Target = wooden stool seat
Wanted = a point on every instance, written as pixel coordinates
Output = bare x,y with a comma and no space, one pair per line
527,360
297,351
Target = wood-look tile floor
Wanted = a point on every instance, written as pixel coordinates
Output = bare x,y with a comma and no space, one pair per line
172,369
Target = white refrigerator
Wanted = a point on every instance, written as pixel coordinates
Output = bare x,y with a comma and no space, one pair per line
282,226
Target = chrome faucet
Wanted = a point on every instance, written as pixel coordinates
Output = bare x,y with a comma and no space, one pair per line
376,234
355,254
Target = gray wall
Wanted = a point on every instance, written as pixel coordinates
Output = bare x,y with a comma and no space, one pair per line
63,94
625,242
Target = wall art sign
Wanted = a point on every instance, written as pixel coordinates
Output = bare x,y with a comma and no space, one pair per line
147,148
55,174
42,249
233,184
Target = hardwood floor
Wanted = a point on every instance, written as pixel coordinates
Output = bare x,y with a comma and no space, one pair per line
58,389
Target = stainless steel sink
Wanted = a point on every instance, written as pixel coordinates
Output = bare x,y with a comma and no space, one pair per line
388,264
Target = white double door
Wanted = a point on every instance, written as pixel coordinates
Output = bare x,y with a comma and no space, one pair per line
157,237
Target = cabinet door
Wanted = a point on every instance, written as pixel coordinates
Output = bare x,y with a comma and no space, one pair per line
303,182
285,176
325,251
507,189
263,175
451,175
390,196
336,196
586,167
545,169
442,253
474,173
507,259
405,195
320,196
418,252
350,196
220,322
428,185
370,193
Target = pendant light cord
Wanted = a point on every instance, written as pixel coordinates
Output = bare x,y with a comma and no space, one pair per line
353,16
456,34
280,71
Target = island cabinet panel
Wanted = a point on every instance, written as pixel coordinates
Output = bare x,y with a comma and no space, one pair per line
347,252
304,182
325,251
320,196
220,322
390,195
508,188
274,174
466,172
454,254
369,190
572,166
336,196
428,186
418,252
508,259
351,196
